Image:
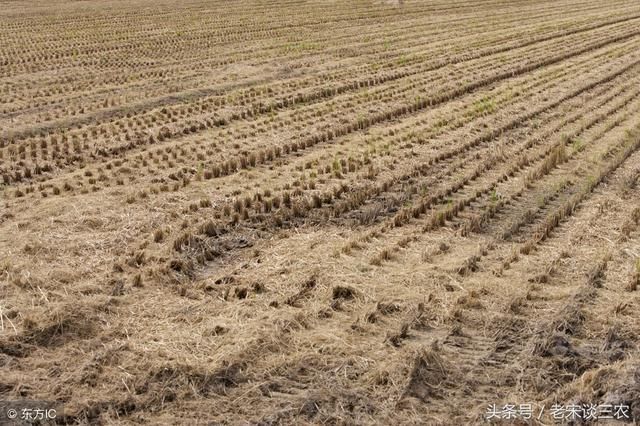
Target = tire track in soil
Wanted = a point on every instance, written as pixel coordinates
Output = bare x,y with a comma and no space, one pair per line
519,335
456,337
452,337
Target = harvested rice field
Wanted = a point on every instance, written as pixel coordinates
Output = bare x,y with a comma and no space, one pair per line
321,211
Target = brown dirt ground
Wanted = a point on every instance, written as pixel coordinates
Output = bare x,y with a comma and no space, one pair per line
320,212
